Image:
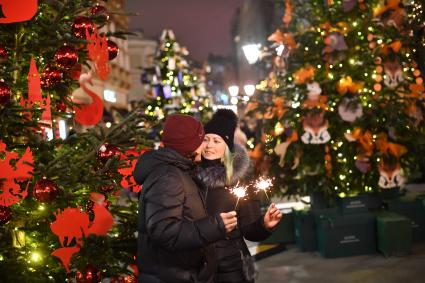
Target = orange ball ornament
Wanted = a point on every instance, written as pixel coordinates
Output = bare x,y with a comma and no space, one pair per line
377,87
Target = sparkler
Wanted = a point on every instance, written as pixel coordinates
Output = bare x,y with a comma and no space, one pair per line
264,184
239,192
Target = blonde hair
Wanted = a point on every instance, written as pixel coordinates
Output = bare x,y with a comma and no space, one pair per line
227,160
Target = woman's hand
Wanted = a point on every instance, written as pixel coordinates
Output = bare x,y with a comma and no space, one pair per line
272,217
230,220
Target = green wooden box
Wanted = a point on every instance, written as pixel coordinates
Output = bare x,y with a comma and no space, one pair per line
414,209
305,230
355,204
394,232
346,235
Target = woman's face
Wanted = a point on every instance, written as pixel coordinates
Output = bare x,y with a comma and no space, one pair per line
214,147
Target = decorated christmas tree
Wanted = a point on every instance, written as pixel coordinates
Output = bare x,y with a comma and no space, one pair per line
343,112
176,86
67,211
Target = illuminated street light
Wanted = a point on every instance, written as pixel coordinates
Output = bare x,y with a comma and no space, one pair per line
249,89
234,90
252,52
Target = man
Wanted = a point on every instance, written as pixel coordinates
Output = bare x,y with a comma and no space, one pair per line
175,232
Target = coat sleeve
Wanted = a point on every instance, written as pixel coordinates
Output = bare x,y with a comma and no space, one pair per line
252,221
165,222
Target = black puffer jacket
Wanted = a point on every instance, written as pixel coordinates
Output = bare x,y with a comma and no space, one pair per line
250,220
175,231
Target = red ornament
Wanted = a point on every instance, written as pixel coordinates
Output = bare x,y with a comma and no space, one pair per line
66,57
101,12
61,106
107,151
91,275
5,215
5,93
51,77
45,190
113,50
80,25
3,53
108,188
130,279
75,72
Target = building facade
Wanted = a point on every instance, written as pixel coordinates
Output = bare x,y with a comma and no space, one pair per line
142,54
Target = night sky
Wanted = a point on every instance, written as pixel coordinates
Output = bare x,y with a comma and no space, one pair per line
203,26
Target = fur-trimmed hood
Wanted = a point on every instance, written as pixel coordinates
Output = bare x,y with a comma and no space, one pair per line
215,176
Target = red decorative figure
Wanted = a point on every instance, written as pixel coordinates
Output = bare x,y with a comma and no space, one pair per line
90,114
11,192
73,223
34,94
98,53
127,180
17,11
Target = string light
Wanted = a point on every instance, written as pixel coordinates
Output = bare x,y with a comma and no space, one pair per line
278,129
36,256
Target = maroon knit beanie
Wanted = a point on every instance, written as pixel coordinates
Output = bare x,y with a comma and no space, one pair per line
182,133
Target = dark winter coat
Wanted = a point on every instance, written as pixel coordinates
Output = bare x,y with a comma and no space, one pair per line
175,233
250,220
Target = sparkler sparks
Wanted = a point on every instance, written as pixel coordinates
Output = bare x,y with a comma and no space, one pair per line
239,192
264,184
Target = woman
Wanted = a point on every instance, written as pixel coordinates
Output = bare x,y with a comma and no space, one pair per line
223,165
